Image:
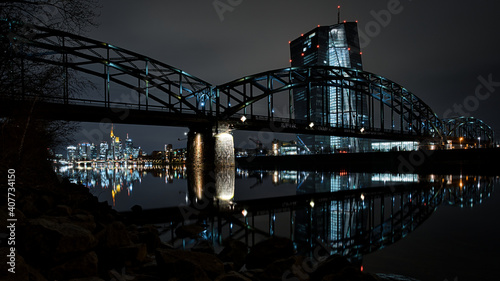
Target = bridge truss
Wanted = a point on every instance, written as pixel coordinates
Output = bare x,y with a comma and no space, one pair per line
470,129
389,107
142,84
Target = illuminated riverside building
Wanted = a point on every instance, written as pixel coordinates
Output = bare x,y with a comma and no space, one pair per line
335,45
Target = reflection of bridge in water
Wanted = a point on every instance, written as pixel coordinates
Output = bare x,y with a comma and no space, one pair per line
354,222
330,213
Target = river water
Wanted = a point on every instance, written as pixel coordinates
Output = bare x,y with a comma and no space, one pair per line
428,227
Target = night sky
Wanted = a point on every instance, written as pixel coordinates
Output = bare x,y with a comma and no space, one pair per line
436,49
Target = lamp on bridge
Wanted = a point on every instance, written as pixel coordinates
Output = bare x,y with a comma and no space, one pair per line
311,125
461,142
479,142
243,119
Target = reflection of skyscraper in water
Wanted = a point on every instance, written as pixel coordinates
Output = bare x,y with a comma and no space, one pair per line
336,105
335,220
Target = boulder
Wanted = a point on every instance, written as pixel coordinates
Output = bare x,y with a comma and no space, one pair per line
116,236
184,264
23,271
234,251
51,239
84,265
265,252
276,270
94,278
331,265
232,276
150,236
131,255
203,246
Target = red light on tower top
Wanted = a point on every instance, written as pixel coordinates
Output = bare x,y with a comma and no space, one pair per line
338,14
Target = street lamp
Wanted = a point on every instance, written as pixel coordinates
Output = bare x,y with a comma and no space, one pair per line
479,142
461,142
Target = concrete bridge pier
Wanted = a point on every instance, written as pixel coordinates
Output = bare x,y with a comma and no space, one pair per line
211,164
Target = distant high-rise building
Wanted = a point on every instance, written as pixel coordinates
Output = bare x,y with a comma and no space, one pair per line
116,146
129,146
93,151
84,151
103,150
335,45
71,153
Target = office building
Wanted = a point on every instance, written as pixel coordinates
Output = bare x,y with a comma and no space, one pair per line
336,106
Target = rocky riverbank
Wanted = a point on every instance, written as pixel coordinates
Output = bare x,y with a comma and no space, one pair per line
64,233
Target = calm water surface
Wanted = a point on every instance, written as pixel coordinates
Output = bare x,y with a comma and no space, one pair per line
430,227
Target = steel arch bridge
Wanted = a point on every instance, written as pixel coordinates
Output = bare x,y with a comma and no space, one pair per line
470,129
156,84
390,108
144,86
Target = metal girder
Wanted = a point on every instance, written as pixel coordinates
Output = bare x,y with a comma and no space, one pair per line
175,91
419,117
173,88
469,128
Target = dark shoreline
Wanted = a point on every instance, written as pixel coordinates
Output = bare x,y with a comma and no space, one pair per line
460,161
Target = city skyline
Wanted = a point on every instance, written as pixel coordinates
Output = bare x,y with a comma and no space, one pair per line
428,58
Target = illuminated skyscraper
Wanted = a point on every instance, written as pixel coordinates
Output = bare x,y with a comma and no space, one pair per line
103,150
84,151
129,146
335,45
71,153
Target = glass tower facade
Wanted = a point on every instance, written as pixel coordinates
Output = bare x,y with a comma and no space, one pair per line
336,45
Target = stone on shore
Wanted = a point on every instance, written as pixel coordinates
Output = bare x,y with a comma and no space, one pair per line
266,252
184,264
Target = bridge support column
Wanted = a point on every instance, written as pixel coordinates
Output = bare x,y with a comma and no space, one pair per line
210,164
224,167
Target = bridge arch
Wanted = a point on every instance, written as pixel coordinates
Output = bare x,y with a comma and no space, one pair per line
387,106
470,129
158,86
